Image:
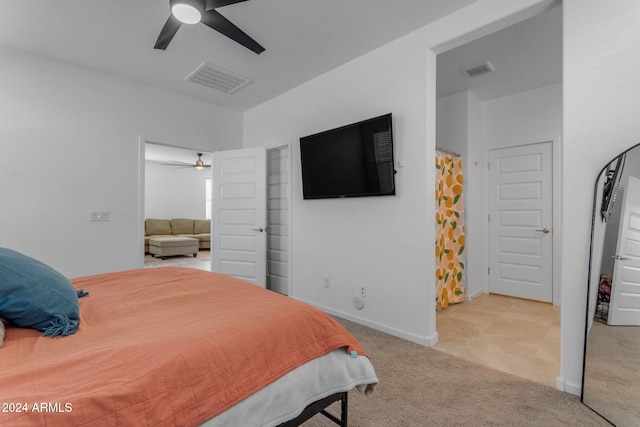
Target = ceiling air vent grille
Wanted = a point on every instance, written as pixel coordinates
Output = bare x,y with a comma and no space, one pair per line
479,70
217,78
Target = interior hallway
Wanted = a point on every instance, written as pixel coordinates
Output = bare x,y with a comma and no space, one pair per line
513,335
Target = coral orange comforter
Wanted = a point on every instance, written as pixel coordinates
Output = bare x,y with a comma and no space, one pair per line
160,347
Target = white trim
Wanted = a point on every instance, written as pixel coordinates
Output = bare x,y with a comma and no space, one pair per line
562,385
427,341
141,197
289,146
556,147
471,297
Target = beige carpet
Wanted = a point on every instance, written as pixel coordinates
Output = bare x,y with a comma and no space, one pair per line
612,383
422,386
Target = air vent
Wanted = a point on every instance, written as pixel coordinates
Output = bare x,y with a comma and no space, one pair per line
217,78
479,70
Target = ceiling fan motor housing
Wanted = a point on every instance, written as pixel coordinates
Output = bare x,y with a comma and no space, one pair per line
204,11
186,7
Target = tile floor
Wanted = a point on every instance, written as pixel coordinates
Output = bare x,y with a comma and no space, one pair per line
513,335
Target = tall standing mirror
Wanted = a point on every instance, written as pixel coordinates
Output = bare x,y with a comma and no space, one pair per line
611,375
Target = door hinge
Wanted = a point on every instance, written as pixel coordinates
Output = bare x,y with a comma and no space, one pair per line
488,271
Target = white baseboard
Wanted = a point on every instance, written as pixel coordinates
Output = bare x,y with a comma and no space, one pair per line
562,385
428,341
469,298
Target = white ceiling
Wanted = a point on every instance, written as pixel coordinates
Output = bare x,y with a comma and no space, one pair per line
165,153
526,56
303,39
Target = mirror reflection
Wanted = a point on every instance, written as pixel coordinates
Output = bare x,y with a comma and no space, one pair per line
611,379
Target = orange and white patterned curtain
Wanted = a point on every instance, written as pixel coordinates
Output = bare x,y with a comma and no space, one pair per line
450,239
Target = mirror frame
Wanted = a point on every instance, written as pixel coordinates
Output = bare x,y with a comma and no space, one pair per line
594,215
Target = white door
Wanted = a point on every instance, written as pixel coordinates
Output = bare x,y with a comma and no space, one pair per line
238,223
624,306
520,222
278,199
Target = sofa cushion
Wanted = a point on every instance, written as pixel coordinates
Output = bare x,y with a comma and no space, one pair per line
181,226
154,227
201,226
34,295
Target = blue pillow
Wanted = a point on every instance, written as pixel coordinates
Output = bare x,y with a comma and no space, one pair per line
34,295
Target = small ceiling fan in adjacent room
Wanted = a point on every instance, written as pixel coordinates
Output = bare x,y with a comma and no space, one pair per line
199,164
195,11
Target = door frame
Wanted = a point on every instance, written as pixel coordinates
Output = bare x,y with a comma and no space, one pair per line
556,183
289,147
142,142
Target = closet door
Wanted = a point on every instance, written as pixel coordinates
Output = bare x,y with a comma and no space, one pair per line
278,214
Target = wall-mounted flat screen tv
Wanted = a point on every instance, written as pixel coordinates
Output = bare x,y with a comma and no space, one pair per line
351,161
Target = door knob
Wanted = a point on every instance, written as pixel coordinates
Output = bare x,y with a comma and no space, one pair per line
620,258
544,230
258,229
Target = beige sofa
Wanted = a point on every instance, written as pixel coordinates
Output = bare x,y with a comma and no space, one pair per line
195,228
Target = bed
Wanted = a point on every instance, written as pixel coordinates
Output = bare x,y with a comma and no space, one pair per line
175,346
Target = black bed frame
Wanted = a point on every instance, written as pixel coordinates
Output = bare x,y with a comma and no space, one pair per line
319,407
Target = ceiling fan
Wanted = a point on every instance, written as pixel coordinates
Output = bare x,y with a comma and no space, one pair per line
198,164
194,11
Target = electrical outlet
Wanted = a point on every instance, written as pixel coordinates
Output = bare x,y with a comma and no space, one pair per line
99,216
362,291
327,282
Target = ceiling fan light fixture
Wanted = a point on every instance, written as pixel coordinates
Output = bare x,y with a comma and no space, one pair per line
187,11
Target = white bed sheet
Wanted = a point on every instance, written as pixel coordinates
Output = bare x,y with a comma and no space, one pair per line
286,398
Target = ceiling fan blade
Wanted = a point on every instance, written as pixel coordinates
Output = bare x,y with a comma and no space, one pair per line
212,4
213,19
169,30
176,163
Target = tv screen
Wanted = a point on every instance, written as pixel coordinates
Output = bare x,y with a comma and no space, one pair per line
350,161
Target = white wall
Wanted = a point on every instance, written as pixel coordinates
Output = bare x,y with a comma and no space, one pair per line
523,118
174,192
70,144
385,243
601,107
476,181
459,129
380,242
452,122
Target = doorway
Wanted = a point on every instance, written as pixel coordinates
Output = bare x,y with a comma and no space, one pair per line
173,185
251,216
492,111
